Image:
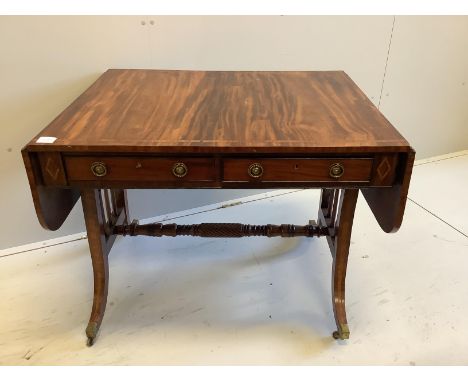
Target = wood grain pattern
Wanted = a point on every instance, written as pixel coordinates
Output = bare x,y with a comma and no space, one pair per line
383,172
297,170
336,212
388,204
131,127
52,204
140,168
197,111
95,222
100,219
53,173
343,229
222,114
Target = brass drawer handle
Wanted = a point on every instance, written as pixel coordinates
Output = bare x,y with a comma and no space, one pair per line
180,170
336,170
99,169
255,170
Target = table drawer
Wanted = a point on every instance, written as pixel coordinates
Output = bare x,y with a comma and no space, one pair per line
297,170
85,168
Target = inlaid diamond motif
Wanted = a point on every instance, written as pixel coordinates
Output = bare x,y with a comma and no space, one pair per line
52,169
384,168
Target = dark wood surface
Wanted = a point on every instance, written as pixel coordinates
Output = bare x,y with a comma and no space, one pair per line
297,169
388,204
140,128
99,247
140,122
336,211
220,230
195,112
102,209
141,169
52,204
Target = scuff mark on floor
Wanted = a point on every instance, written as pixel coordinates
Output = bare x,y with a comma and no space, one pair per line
196,310
384,291
171,314
30,353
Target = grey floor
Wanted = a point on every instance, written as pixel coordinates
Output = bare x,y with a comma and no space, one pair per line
255,300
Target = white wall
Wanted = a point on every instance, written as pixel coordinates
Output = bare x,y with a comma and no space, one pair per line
425,93
46,62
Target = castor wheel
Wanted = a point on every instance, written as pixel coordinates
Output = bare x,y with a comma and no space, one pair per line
91,332
342,333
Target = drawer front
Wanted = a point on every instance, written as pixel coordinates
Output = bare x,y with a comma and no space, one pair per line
297,170
84,168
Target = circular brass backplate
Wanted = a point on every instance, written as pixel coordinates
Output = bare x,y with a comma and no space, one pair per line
336,170
99,169
255,170
180,170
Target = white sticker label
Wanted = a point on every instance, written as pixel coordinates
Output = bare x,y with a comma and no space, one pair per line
46,140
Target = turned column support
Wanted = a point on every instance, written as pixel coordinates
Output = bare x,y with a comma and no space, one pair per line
220,230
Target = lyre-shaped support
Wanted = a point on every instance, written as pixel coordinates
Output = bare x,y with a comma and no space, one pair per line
106,216
100,217
337,213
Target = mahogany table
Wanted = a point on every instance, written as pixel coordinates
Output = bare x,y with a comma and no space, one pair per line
195,129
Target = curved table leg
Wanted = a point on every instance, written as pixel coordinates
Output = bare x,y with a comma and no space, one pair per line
337,212
95,227
100,217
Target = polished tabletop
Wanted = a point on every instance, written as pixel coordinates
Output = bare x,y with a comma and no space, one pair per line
193,129
207,112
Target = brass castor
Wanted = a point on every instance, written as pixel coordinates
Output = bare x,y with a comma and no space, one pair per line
91,333
342,333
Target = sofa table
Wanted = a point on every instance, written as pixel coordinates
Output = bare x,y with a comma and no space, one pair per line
205,129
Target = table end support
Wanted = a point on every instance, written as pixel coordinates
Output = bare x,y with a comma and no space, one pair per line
336,211
102,209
